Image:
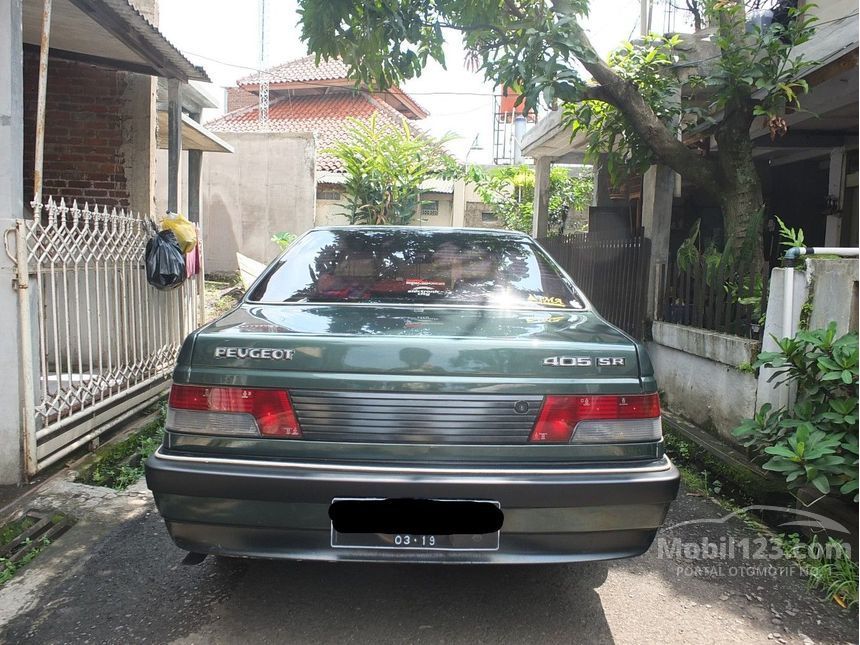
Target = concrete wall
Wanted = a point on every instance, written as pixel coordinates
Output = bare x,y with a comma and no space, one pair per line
697,373
834,293
138,147
266,186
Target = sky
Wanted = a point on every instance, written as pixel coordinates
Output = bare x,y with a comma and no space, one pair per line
223,37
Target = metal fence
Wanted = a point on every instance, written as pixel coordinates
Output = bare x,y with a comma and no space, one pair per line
612,273
101,341
723,297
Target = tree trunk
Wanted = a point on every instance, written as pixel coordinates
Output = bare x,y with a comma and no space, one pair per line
740,196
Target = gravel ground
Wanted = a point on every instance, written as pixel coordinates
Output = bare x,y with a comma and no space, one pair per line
126,585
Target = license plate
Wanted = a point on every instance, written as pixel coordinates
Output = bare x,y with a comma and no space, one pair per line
429,525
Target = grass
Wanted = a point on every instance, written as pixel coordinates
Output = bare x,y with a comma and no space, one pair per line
828,567
218,295
120,465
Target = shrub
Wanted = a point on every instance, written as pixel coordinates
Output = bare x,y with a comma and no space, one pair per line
815,442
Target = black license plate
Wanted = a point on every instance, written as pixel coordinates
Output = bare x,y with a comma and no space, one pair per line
416,524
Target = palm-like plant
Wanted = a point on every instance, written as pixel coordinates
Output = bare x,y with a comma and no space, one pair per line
385,167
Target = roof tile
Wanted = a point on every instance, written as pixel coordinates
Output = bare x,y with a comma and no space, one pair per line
301,70
324,115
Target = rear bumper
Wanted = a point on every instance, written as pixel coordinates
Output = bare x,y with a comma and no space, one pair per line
280,509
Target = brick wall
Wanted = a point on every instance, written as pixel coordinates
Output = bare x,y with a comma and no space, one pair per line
84,112
238,98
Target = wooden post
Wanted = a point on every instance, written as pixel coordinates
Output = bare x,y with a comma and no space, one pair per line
174,142
40,101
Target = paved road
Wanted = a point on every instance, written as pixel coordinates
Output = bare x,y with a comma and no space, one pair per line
129,587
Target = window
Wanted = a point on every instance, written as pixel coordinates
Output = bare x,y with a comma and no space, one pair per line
327,193
488,216
397,266
430,209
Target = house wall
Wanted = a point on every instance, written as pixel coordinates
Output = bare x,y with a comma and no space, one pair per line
236,98
266,186
475,216
444,214
86,125
330,212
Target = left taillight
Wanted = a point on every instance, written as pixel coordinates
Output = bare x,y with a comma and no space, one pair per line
236,411
603,418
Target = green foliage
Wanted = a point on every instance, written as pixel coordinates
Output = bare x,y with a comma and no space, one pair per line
745,290
814,443
758,62
283,239
8,568
510,191
827,566
746,368
834,571
790,237
607,130
385,167
540,48
120,465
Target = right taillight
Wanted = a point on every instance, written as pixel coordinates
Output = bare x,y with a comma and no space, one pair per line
598,418
238,411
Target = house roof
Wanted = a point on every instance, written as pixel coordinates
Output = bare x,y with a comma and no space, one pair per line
301,70
110,32
304,76
326,115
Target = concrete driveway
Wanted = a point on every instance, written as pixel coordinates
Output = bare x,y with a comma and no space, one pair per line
117,578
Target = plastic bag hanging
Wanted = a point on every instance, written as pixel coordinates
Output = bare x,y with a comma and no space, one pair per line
185,231
165,262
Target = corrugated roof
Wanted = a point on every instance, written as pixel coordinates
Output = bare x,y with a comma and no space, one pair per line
326,115
139,24
830,41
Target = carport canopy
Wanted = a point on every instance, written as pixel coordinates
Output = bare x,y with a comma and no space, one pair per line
107,32
194,136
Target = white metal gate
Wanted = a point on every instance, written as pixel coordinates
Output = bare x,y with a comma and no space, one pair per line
102,341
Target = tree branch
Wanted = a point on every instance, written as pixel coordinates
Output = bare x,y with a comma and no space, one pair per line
514,9
625,96
597,93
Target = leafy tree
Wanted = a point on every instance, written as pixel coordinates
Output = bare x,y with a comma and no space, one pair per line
385,167
510,191
538,47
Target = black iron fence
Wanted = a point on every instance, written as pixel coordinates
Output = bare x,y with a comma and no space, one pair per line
612,273
720,296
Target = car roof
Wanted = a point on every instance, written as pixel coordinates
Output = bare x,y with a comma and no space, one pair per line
496,232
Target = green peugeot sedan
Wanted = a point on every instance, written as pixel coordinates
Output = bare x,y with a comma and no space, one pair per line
414,395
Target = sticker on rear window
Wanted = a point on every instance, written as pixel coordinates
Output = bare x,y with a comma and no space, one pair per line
549,301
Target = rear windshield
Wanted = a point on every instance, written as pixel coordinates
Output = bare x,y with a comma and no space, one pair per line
413,266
